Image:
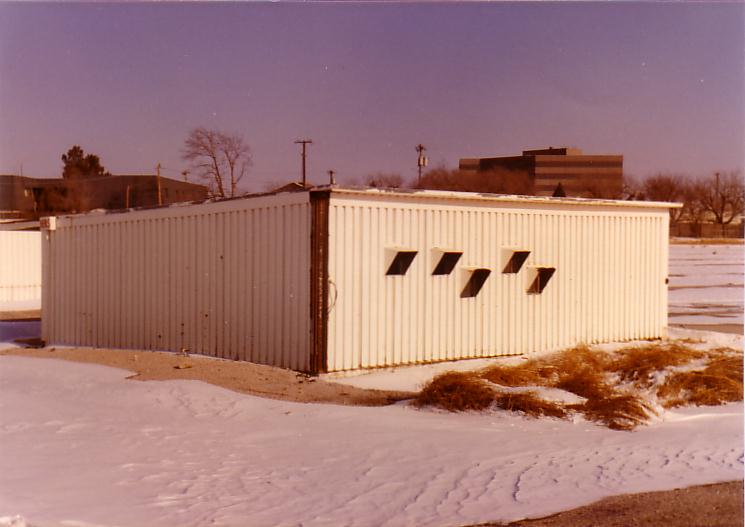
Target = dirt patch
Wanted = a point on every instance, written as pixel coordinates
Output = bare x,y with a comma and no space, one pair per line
243,377
29,314
737,329
706,241
719,505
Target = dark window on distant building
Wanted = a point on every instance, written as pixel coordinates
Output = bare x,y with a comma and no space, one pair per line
516,261
401,263
475,283
447,262
543,275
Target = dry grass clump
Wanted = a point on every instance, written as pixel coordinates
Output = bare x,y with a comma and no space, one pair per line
528,374
577,358
580,371
456,392
617,412
585,382
720,382
529,404
591,374
638,365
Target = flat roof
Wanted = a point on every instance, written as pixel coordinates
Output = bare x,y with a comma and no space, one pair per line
495,198
396,193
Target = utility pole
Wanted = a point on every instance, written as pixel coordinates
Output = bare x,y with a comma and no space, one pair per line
332,180
157,169
303,142
421,160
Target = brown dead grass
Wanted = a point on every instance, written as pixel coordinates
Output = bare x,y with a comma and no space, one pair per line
706,241
456,392
720,382
527,374
463,391
579,362
590,374
580,371
617,412
585,382
529,404
638,365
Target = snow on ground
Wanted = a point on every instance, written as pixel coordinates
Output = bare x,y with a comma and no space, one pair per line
82,444
706,284
16,329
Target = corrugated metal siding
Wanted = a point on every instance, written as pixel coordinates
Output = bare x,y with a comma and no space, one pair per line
228,279
609,284
20,266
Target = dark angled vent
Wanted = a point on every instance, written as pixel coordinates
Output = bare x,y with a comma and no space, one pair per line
447,262
516,261
401,263
475,283
542,277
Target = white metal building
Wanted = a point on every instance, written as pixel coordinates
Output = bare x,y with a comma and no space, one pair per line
338,279
20,266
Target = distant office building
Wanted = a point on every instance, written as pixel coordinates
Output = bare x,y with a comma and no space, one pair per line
560,171
29,198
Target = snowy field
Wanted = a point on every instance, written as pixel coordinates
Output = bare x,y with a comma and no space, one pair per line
82,446
706,284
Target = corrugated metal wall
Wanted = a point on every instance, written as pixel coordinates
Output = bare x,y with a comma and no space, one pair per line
609,284
20,266
228,279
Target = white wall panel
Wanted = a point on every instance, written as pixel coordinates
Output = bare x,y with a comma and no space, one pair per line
227,279
609,284
233,279
20,266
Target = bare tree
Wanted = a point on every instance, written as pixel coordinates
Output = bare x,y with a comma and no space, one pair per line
670,188
219,158
722,196
631,188
384,180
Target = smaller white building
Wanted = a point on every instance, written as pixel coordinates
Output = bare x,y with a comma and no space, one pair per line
337,279
20,267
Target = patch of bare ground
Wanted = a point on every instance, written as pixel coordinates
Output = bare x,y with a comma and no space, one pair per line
735,329
28,314
243,377
620,389
707,241
718,505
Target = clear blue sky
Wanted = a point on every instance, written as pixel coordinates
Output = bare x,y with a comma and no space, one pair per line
661,83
